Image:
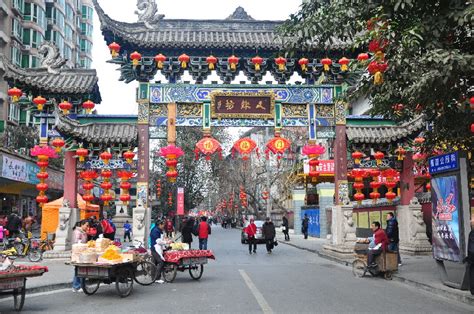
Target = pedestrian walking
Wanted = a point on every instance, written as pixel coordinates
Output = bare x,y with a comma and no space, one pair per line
79,236
251,230
127,231
305,226
187,231
204,230
13,225
268,230
392,235
156,240
169,228
286,228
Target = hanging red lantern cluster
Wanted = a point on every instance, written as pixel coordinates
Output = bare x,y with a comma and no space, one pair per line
88,106
378,156
106,185
358,175
313,152
390,176
357,156
129,155
158,189
375,184
105,157
114,49
244,146
184,59
160,59
211,62
136,57
82,153
170,199
88,176
208,146
278,146
401,152
15,94
257,62
65,106
171,153
39,101
43,153
125,185
363,57
58,144
243,197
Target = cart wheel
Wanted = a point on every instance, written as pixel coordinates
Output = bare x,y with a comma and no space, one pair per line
90,286
19,298
388,275
124,282
35,255
359,268
195,271
169,272
145,273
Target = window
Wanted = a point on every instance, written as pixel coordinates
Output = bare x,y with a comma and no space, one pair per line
87,12
35,13
61,3
67,52
14,113
68,33
19,5
86,29
28,61
86,63
17,29
59,19
69,13
56,38
26,36
16,56
86,46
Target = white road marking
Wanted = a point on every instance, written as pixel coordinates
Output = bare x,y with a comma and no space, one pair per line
256,293
39,294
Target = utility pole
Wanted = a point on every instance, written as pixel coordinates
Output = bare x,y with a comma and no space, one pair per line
267,168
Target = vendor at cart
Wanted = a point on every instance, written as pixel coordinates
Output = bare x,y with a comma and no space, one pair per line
380,244
79,236
157,239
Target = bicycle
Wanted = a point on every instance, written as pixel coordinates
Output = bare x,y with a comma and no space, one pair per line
18,247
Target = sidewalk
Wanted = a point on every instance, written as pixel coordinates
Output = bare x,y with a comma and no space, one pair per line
418,271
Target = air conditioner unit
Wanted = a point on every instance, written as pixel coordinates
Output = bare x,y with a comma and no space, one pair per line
26,47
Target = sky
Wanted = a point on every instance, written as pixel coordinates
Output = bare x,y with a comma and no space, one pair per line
119,97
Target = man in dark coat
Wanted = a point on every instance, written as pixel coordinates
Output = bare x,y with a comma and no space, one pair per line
470,260
187,231
286,227
305,226
268,230
392,235
13,225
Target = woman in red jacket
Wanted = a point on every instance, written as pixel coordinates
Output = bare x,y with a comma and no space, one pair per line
381,242
251,230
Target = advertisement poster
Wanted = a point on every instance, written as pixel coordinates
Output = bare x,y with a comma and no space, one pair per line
446,229
14,169
180,202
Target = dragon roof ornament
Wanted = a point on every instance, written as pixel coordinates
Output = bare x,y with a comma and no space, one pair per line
148,13
50,57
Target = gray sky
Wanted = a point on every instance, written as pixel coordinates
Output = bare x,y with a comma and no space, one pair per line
118,97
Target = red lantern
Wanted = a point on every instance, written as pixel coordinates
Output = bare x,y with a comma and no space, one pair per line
88,106
105,157
281,62
400,153
171,163
65,106
375,184
114,49
88,197
471,102
58,143
125,185
374,195
41,199
160,59
303,62
358,185
419,140
377,69
39,102
207,146
278,145
15,93
326,62
171,153
344,62
42,164
362,57
359,197
106,198
398,107
136,57
43,153
184,59
357,156
106,174
390,196
106,185
472,128
313,163
428,187
257,62
125,198
244,146
233,61
378,157
88,175
42,175
42,187
129,155
211,61
88,186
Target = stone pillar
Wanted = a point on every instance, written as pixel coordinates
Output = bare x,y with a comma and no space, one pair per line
326,197
340,154
298,201
119,220
407,180
343,233
139,223
412,229
70,179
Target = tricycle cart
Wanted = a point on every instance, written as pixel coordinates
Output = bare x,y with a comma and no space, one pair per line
122,274
191,260
387,263
13,282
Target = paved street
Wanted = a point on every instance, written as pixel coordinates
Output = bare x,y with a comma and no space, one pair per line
288,281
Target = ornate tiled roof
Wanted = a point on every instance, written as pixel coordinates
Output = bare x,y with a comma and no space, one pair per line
98,133
152,31
383,133
59,81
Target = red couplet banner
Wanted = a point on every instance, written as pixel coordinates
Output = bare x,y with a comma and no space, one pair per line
180,202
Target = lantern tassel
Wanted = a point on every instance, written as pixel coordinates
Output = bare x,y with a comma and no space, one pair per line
233,66
257,67
184,64
378,78
326,67
159,64
211,66
281,67
304,67
344,67
135,62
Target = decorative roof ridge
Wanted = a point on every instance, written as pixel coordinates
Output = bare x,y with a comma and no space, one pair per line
60,118
403,125
240,14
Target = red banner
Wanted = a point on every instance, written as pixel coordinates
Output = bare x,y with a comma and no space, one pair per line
180,202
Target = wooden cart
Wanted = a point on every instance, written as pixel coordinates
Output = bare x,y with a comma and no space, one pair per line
14,283
190,260
387,263
122,274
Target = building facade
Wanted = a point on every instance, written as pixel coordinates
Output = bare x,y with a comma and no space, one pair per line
25,24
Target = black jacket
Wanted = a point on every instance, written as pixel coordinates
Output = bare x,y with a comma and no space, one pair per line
14,223
268,230
392,230
305,224
285,222
470,248
187,233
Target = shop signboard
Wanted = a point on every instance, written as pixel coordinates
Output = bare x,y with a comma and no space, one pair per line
325,167
180,202
14,169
